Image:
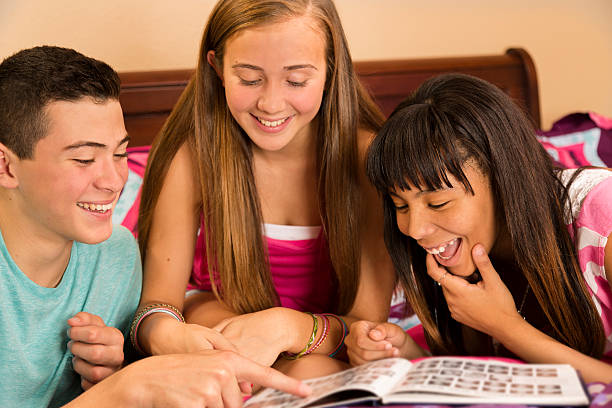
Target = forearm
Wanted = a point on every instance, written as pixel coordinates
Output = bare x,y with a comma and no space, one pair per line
157,335
533,346
329,335
205,309
117,390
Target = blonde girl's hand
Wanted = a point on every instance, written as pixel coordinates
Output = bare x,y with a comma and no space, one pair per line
260,336
203,338
188,338
487,305
368,341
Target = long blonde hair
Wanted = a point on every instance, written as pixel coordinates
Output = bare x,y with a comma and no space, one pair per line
236,254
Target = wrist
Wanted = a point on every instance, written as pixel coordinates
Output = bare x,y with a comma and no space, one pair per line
411,350
298,329
158,334
511,329
122,389
129,390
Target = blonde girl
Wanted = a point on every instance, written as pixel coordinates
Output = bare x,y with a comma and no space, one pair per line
259,174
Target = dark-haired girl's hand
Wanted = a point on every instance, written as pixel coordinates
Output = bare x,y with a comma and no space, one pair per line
368,341
486,306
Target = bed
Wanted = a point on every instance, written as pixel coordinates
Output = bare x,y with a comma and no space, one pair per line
148,97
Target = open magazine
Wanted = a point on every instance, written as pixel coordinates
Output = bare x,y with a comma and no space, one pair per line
438,380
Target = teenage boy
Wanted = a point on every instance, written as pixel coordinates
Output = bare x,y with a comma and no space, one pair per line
69,281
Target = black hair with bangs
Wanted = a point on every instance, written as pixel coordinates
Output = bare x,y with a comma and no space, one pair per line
455,118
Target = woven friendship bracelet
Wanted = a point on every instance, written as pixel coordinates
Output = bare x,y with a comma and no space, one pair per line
344,333
147,311
315,327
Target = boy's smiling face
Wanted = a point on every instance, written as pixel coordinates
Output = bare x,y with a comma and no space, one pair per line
68,190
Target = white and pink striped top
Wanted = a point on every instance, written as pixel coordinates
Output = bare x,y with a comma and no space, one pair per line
591,217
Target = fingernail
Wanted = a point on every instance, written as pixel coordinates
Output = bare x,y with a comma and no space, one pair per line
305,389
396,353
376,333
479,250
75,319
388,346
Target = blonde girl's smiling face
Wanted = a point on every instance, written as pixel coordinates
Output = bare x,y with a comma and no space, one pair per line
449,222
274,78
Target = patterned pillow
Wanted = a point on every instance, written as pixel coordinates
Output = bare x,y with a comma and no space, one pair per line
580,139
126,210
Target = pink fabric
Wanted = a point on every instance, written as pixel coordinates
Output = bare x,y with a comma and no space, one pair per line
593,224
601,121
301,272
137,162
418,335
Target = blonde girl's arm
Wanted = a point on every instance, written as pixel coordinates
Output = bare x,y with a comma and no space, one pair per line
168,263
377,279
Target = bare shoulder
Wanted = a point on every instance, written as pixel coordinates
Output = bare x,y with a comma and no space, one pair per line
183,159
369,193
182,172
364,139
181,181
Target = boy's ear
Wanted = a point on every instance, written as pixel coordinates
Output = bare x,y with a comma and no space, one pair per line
7,161
210,57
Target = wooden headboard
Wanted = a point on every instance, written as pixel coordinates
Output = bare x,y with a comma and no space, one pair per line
148,97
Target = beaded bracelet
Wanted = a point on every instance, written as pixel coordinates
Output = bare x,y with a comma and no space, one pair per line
147,311
315,327
326,326
344,333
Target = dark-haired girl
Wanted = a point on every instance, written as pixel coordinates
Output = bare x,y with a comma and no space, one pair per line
498,252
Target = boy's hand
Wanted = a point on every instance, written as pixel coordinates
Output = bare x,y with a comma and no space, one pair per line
97,348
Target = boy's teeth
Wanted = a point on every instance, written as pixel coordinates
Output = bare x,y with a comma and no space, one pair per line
95,207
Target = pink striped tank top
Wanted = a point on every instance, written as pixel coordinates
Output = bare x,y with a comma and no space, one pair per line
301,269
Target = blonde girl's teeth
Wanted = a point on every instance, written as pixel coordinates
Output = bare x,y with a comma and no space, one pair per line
272,124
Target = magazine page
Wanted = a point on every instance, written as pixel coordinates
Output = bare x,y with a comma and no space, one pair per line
465,380
365,382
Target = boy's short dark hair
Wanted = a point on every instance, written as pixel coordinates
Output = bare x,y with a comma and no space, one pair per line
35,77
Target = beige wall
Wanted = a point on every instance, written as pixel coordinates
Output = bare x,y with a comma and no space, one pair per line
570,40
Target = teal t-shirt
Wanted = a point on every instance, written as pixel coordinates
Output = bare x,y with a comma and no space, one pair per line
35,364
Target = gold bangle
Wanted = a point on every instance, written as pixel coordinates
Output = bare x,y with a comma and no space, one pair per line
315,327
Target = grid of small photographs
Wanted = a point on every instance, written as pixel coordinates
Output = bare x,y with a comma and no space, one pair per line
363,377
485,377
